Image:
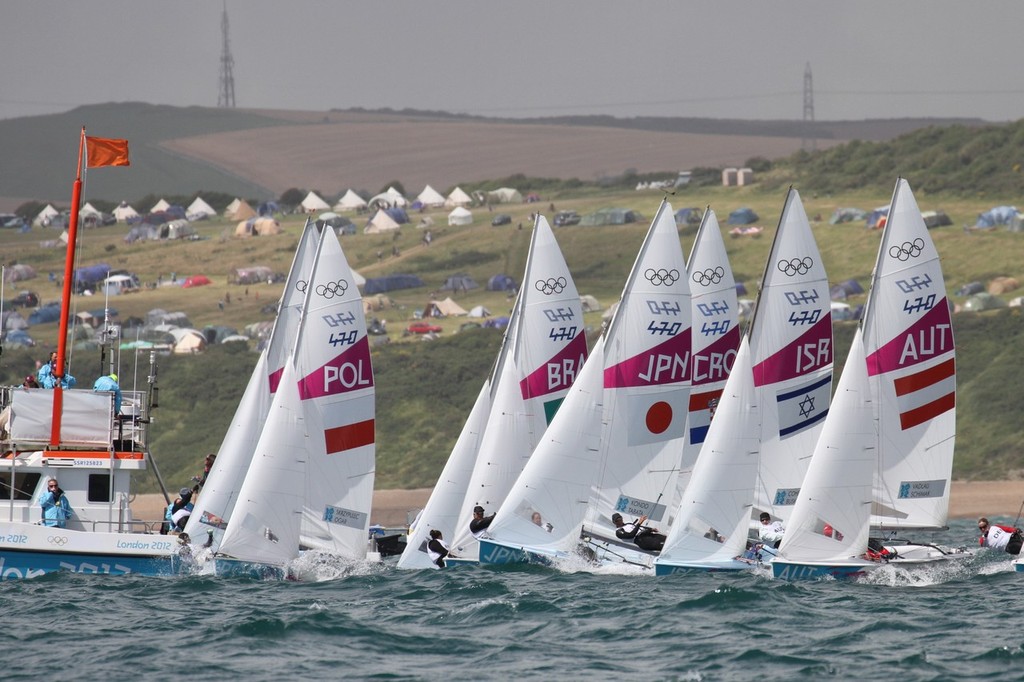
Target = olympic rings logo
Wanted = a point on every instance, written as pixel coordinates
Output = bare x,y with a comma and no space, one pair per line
709,276
59,540
301,285
332,289
661,276
551,285
796,266
907,250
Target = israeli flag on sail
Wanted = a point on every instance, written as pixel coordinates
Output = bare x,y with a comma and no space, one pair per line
803,406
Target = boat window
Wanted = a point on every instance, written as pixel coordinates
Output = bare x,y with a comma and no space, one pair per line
99,487
24,485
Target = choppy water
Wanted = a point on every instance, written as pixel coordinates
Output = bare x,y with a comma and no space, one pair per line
480,623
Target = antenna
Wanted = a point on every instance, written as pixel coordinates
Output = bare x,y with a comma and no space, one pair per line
809,143
226,94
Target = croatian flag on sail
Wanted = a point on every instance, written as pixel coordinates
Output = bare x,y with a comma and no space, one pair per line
702,411
803,406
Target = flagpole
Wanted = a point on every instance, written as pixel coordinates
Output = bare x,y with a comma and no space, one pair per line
65,299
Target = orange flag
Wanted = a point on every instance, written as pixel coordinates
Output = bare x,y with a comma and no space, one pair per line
103,151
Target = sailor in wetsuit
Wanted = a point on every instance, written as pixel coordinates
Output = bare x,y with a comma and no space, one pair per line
480,522
644,537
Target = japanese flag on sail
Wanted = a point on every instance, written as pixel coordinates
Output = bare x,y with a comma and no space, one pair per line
656,417
803,406
702,410
924,395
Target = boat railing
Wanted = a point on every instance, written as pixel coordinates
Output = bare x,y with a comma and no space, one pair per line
87,421
122,526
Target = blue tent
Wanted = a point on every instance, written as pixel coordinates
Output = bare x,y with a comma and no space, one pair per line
45,315
741,290
501,283
841,291
90,274
380,285
688,216
874,218
1000,215
267,208
398,214
743,216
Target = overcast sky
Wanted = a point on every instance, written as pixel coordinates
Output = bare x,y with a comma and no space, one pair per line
524,58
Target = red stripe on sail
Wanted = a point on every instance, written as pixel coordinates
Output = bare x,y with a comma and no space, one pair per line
701,401
924,413
925,378
349,436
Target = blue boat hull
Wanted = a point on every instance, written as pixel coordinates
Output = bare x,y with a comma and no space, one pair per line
16,565
497,554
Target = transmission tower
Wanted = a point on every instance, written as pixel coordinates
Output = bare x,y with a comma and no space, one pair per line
809,143
226,94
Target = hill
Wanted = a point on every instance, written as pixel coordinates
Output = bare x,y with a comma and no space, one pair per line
258,154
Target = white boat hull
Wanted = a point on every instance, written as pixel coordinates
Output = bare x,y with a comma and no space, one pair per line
910,556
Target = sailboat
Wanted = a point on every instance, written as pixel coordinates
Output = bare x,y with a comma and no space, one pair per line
76,436
310,483
615,444
759,444
542,351
215,504
885,458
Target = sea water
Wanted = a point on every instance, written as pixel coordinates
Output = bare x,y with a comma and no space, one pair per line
960,621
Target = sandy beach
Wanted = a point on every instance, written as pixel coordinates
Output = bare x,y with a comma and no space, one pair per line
968,499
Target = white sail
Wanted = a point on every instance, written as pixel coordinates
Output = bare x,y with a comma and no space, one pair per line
830,520
908,339
446,500
311,479
547,349
791,349
621,443
714,516
716,336
214,505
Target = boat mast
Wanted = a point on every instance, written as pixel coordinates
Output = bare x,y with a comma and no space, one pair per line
65,299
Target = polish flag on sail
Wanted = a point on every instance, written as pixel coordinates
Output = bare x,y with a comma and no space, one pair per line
924,395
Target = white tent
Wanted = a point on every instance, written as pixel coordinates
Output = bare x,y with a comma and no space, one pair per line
241,211
479,311
589,303
443,308
358,279
188,340
46,215
430,197
458,198
381,222
88,209
232,207
392,197
350,202
161,205
505,195
199,209
176,229
460,216
314,204
123,213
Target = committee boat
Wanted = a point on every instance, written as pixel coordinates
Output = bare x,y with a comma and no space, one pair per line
884,461
78,437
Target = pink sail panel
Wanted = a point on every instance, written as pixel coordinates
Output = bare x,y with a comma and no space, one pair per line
811,351
558,373
663,364
929,337
350,371
713,362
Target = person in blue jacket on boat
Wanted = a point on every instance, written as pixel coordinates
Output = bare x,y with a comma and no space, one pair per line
48,379
56,508
108,383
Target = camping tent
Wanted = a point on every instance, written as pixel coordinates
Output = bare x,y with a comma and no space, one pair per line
176,229
846,215
1002,285
257,227
252,274
589,303
89,210
378,285
430,197
199,210
843,290
125,213
443,308
140,232
19,272
159,206
11,320
350,202
459,282
195,281
381,222
1000,215
120,284
934,219
44,216
460,216
188,340
457,198
688,216
479,311
314,204
876,219
983,301
610,216
743,216
504,195
501,283
391,197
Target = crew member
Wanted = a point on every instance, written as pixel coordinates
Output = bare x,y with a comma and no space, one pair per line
480,523
1006,538
644,537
